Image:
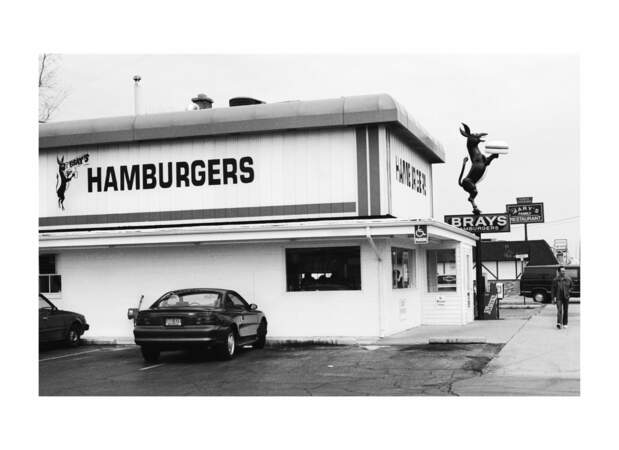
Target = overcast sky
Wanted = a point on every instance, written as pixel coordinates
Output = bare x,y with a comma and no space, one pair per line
530,101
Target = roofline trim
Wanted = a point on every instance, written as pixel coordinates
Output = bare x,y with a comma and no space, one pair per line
341,229
270,117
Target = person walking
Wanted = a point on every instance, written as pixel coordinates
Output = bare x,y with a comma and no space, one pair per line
561,288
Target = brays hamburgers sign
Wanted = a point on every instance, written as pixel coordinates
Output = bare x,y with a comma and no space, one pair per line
176,174
482,223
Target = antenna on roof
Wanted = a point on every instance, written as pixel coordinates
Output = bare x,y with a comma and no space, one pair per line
137,95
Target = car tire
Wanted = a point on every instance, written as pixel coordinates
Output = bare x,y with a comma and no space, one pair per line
74,335
262,336
540,297
227,349
150,354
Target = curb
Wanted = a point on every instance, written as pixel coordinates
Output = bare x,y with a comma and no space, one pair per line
519,306
309,342
317,342
457,340
112,342
271,342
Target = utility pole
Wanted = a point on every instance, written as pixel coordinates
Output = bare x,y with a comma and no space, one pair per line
479,279
526,233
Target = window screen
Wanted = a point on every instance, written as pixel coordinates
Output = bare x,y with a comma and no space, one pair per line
323,269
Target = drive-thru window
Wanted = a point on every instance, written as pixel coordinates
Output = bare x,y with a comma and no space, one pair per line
323,269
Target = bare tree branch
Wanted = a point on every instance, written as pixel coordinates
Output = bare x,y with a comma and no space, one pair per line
51,95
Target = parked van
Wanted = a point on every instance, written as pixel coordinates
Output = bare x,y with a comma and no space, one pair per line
536,281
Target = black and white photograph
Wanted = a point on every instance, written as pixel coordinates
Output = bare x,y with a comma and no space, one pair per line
309,225
201,222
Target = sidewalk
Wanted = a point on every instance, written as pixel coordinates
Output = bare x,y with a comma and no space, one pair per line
479,331
537,360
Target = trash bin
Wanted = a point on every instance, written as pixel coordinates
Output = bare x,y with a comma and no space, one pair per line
491,303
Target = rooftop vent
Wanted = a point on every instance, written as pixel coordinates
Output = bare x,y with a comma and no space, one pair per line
244,101
202,101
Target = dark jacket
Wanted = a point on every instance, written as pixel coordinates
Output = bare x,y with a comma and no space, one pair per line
561,287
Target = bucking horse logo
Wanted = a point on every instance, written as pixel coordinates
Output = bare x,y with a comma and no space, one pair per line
66,172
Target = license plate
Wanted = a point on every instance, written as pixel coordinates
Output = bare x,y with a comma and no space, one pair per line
173,322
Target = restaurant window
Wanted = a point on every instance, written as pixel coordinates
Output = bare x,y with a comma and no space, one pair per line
49,281
323,269
441,266
402,268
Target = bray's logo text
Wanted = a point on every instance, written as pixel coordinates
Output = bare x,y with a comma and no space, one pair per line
66,172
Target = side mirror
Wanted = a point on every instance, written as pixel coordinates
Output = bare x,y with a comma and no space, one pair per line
132,313
253,306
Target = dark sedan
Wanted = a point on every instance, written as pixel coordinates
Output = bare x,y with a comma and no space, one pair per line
58,325
196,319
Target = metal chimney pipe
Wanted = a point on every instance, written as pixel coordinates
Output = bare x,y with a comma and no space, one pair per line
137,94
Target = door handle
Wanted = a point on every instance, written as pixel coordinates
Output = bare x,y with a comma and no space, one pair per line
45,318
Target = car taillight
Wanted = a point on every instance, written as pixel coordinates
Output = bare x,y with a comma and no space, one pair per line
205,318
143,320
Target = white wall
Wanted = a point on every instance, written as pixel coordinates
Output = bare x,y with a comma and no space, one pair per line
449,308
507,270
103,283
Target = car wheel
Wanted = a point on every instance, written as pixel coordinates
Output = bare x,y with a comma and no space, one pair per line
150,354
227,349
262,335
74,334
539,296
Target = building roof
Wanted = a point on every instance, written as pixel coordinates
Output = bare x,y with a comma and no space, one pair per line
538,250
289,115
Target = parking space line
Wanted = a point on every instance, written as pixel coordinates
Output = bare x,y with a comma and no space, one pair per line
151,367
67,356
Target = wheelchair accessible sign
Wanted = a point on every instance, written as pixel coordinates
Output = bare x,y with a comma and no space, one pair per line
421,234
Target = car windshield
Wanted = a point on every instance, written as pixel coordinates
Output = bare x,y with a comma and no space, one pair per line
176,300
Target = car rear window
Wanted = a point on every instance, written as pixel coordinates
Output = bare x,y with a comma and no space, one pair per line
175,300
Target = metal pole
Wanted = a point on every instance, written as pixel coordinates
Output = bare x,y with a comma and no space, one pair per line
526,234
479,279
137,101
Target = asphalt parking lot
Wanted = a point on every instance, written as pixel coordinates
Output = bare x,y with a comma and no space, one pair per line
273,371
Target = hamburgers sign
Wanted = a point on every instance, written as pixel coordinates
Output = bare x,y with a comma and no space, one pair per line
480,223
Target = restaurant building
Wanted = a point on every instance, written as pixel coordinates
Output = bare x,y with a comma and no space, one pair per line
307,208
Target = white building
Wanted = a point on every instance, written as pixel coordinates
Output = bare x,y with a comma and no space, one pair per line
306,208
